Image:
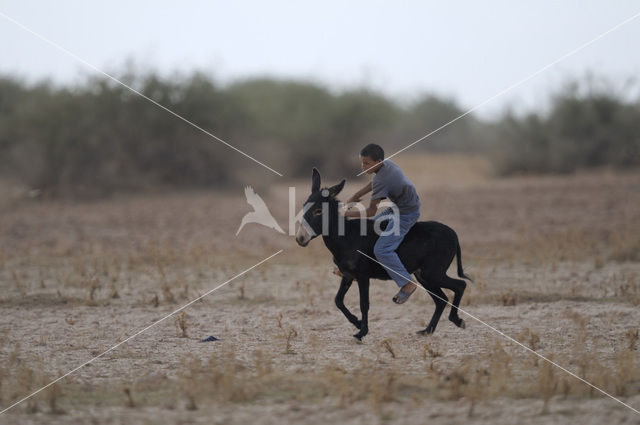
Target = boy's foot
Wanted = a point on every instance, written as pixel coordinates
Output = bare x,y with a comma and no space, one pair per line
337,271
405,292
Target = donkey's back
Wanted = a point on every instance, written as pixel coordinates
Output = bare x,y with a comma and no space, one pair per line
428,244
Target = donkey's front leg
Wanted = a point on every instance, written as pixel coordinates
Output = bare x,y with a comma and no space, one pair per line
363,286
345,284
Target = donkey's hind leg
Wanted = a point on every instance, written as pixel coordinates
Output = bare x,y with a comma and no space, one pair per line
439,298
457,286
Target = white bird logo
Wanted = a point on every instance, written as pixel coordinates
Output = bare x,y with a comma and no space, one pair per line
260,213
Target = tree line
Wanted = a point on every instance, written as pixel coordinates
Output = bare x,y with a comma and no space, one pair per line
97,137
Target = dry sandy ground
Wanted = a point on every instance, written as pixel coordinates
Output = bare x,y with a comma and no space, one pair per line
555,263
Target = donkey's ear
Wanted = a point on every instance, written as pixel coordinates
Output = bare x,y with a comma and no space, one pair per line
315,180
334,190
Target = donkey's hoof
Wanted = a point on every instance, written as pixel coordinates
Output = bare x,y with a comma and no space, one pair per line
458,322
425,332
358,324
360,335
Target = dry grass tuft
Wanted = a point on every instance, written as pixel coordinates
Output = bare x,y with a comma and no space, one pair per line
475,390
289,336
457,381
17,282
509,298
632,337
190,381
626,366
499,370
129,398
52,394
94,285
530,339
167,294
629,288
114,293
182,324
547,383
583,358
384,387
386,344
625,245
263,365
24,384
625,371
228,378
430,353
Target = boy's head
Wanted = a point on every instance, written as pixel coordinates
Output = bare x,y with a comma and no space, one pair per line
371,157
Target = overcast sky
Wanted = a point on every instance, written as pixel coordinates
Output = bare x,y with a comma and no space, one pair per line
465,50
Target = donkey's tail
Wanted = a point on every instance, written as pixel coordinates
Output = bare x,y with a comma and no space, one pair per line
459,257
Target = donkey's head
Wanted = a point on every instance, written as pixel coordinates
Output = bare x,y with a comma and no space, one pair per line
317,210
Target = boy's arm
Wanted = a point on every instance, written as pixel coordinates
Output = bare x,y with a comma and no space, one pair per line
356,196
369,212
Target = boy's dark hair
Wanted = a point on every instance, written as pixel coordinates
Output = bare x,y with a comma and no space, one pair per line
373,151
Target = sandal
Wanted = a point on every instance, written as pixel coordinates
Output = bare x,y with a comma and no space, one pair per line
401,297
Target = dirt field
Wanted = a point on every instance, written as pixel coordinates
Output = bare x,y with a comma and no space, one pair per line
556,263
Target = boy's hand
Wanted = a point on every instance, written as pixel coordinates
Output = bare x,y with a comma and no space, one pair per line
352,200
343,208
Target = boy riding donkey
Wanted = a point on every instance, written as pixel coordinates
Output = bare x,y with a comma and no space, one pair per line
389,182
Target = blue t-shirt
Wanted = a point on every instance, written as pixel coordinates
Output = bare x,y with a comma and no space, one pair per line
390,182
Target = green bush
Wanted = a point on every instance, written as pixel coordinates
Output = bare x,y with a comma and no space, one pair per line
584,128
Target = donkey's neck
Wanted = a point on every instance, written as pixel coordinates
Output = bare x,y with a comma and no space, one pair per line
340,243
332,238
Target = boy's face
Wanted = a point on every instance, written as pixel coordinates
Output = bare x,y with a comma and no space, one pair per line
369,165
